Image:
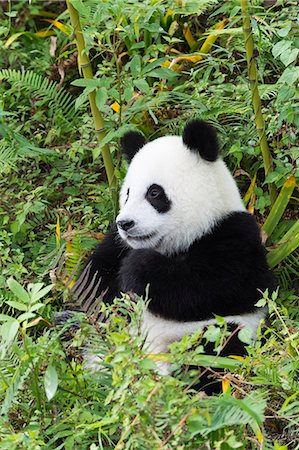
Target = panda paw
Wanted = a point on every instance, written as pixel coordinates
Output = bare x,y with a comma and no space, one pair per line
137,269
144,260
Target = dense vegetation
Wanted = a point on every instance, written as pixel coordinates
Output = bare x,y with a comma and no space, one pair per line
155,64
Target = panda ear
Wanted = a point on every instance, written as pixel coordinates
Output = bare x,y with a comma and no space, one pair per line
200,137
130,143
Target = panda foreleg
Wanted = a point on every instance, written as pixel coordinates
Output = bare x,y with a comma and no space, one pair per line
173,292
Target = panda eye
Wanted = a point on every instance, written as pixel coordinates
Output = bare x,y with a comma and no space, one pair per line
154,192
157,197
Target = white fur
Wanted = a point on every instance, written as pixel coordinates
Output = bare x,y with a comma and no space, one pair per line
160,333
201,193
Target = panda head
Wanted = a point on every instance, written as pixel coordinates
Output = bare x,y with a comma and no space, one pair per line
176,189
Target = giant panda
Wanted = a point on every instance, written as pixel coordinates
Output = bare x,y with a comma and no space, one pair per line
183,233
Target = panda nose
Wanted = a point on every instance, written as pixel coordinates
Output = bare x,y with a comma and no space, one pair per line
125,224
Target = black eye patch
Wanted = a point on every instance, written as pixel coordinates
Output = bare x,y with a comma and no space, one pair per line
157,198
127,195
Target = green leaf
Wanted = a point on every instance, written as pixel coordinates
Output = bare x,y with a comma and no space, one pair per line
81,99
220,320
287,244
50,381
261,303
289,76
289,57
245,335
17,305
162,73
9,330
135,66
142,85
86,83
4,317
234,11
101,97
281,47
284,31
147,363
41,293
26,316
82,9
202,360
18,290
36,306
279,206
212,334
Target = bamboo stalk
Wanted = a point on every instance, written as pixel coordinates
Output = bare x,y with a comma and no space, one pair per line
256,100
85,66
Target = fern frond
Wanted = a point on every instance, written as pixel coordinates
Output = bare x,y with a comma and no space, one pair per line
48,90
7,158
269,91
74,253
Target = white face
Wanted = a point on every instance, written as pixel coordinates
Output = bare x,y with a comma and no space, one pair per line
197,194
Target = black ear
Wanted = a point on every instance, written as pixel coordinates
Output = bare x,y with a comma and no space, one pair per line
200,137
131,142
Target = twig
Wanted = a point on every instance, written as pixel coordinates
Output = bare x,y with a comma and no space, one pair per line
179,425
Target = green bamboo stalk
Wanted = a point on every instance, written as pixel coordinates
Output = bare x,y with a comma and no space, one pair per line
85,66
256,100
279,206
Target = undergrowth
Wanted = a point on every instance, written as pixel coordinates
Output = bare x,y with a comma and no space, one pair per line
155,65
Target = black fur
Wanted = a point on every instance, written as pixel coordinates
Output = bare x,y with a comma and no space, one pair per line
105,264
208,379
220,273
131,143
200,137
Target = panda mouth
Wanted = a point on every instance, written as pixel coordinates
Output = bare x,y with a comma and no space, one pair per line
143,237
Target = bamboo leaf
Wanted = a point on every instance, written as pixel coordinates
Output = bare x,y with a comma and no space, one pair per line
289,243
205,48
249,192
279,206
14,37
189,36
44,33
64,28
225,386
